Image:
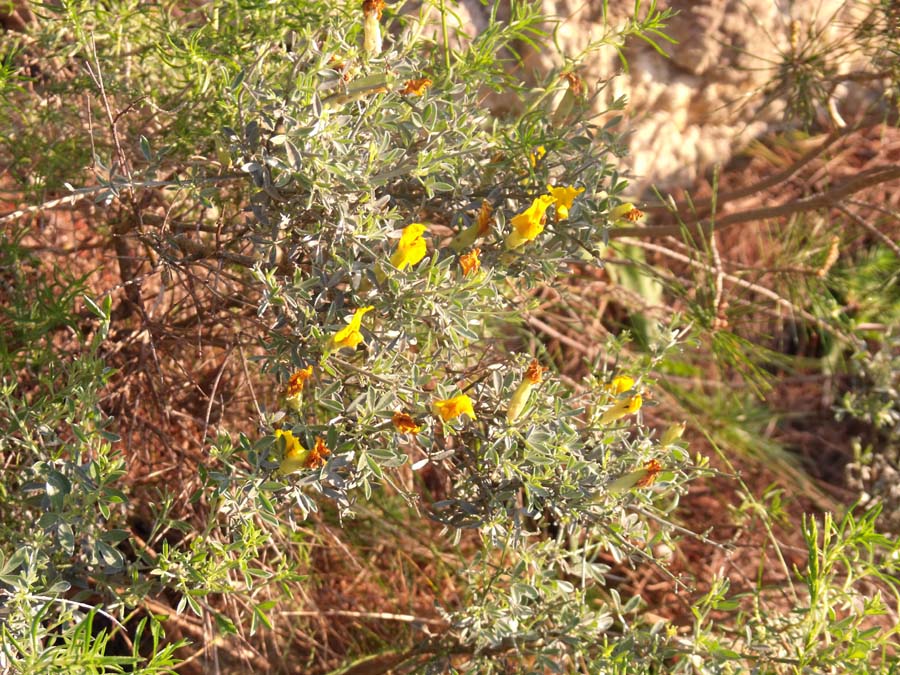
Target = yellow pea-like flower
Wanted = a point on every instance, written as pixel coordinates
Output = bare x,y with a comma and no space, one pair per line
451,408
294,391
404,423
350,335
295,455
476,230
519,399
317,456
298,380
470,262
643,477
626,212
372,41
530,223
416,87
564,196
620,385
411,248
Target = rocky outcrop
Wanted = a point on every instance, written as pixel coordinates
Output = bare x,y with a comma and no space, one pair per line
712,95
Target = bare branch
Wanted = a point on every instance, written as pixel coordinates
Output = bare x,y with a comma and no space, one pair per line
703,206
703,228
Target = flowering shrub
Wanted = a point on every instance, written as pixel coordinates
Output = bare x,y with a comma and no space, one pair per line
487,211
384,241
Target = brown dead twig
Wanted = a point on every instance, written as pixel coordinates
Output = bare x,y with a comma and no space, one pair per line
703,228
703,207
698,219
743,283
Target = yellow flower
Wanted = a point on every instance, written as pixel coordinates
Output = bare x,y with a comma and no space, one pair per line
628,212
537,155
620,385
294,391
349,336
295,455
412,247
470,262
564,197
576,84
652,469
519,399
574,94
620,409
484,219
452,408
370,6
530,223
317,455
535,372
405,424
415,87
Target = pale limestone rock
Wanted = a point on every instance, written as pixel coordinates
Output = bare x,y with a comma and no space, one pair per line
702,104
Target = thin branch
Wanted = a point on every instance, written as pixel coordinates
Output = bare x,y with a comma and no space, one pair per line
703,206
192,629
720,321
678,528
383,616
698,229
870,229
249,381
748,285
534,322
80,194
212,395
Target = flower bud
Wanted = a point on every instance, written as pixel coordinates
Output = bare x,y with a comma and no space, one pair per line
643,477
622,408
371,28
519,399
672,434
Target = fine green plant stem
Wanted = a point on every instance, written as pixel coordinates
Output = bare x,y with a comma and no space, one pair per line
445,36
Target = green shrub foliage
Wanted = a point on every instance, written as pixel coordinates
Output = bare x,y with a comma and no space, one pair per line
379,245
